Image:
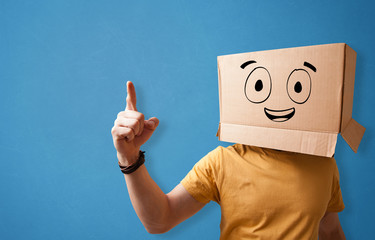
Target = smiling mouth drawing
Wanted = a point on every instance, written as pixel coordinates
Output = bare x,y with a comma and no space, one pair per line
280,115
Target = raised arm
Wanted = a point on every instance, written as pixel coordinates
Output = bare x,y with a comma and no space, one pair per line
157,211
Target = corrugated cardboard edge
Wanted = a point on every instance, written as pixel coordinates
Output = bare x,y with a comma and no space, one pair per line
351,131
220,95
315,143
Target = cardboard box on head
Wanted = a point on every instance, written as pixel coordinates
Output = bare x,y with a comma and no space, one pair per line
295,99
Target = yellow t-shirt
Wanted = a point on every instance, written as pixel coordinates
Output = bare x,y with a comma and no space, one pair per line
265,193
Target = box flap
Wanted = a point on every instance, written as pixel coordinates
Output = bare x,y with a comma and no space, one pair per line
315,143
353,133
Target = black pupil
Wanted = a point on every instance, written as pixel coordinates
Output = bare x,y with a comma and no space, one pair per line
259,85
298,87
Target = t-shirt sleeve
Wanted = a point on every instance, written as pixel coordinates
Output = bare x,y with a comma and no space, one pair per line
336,204
201,181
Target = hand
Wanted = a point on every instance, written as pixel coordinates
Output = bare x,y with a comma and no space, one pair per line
130,130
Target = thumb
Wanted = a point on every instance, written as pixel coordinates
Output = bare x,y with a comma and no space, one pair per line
149,128
151,123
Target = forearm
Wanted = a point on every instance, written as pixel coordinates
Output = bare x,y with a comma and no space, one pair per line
149,201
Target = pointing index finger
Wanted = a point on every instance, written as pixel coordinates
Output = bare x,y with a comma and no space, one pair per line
131,99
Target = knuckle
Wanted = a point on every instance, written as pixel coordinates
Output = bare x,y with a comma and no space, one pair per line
141,116
128,134
113,130
129,131
134,121
123,133
137,123
118,122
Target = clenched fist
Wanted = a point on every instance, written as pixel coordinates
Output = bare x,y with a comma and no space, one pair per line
131,130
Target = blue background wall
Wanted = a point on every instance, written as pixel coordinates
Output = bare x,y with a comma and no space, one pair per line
63,69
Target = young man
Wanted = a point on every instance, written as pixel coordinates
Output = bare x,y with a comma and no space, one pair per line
263,193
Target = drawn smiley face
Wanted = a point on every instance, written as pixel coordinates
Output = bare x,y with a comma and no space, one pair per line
258,88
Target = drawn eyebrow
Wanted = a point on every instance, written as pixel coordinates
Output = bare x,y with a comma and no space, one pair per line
243,65
309,65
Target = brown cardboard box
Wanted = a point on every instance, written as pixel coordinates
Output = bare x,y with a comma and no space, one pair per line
295,99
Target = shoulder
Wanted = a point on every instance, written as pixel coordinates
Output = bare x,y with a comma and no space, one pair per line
231,155
221,152
218,155
241,149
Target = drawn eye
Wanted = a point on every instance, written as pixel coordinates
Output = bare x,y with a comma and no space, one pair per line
298,86
258,85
